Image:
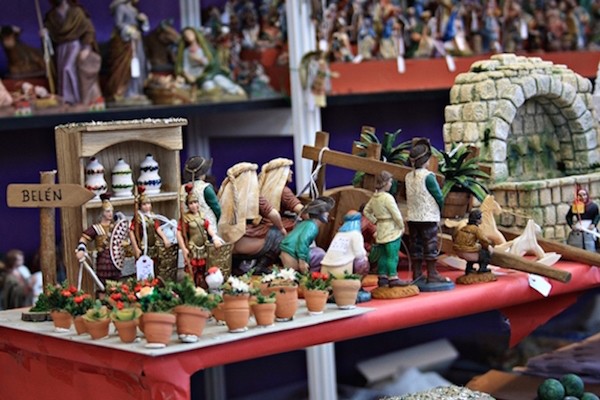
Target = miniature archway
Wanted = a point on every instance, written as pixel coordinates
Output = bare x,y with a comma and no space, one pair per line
532,119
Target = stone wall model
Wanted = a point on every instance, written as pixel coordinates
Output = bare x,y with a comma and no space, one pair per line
536,127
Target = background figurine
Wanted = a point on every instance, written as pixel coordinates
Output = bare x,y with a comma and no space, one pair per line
101,234
582,218
194,172
424,200
296,250
194,234
147,238
127,62
471,244
23,61
77,57
197,64
347,253
383,211
161,46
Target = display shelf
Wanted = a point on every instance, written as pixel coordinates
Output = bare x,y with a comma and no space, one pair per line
52,119
423,75
130,140
128,200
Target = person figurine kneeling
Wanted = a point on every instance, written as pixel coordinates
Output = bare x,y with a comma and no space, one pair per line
470,244
296,250
383,211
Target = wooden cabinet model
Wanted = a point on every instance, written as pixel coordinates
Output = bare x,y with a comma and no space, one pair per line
108,141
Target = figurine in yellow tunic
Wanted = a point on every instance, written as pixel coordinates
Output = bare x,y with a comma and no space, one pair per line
383,211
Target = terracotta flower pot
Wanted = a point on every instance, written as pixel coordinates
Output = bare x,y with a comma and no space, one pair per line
286,299
158,328
218,313
190,322
345,292
80,325
62,320
237,312
264,313
127,330
316,300
97,329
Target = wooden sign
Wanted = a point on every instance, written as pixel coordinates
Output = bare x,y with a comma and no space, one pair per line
47,195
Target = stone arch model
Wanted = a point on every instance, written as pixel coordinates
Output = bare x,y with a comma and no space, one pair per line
530,118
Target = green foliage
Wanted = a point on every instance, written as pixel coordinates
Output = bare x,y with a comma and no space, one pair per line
157,299
189,294
316,280
390,152
98,312
349,275
461,172
42,304
265,299
64,297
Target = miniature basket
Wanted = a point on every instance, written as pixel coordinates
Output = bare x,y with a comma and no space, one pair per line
221,258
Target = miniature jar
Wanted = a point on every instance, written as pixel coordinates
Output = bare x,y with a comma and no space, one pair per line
149,177
122,180
94,177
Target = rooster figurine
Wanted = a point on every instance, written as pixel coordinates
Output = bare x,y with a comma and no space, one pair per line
214,279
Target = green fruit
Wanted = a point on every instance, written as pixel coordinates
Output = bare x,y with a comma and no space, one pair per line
573,385
551,389
589,396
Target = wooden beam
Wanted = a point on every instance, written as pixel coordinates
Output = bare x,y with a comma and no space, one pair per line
511,261
356,163
568,252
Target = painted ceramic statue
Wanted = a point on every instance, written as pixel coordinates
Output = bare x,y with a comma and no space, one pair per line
424,200
197,63
76,51
101,234
383,211
194,172
582,218
194,234
127,60
347,253
255,227
23,60
471,244
148,238
296,249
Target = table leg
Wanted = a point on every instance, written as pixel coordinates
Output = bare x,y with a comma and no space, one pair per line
214,383
320,363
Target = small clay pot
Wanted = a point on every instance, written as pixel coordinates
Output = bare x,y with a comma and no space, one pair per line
264,313
62,320
97,329
127,330
158,327
345,292
237,312
316,300
80,325
286,301
190,320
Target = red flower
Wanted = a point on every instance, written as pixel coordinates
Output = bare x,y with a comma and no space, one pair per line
115,296
131,297
316,275
66,293
72,289
125,288
79,299
138,287
120,305
324,276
